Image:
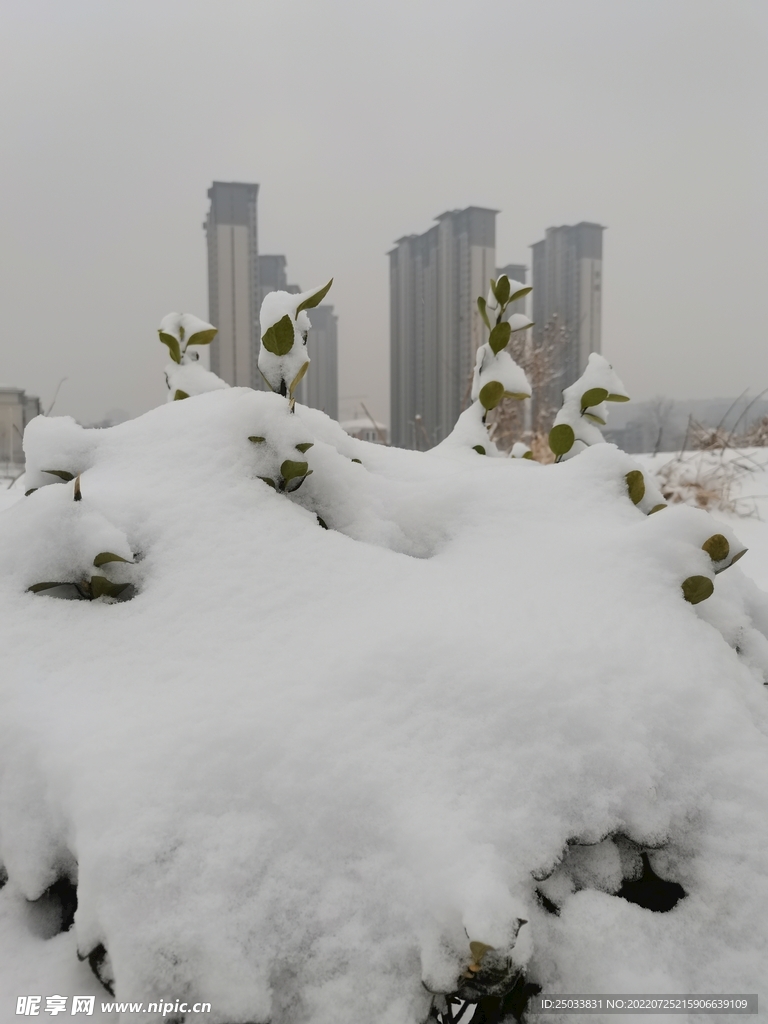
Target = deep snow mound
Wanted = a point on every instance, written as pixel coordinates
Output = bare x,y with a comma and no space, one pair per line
346,719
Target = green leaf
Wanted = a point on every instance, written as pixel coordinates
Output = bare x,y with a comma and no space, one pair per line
478,950
62,474
203,337
295,484
269,480
617,398
304,446
102,587
500,336
30,491
483,313
593,397
657,508
717,547
179,395
529,455
255,439
109,556
36,588
478,448
635,486
290,469
491,394
298,378
278,339
358,461
561,438
173,345
697,589
521,293
594,418
314,300
321,522
738,555
517,395
501,291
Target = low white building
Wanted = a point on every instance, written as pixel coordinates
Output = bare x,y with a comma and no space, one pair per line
365,428
16,410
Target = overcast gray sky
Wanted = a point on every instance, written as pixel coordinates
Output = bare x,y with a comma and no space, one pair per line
361,121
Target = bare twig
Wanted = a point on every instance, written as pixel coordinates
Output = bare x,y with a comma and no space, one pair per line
55,396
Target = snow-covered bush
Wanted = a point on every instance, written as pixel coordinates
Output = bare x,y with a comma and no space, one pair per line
283,358
496,375
184,376
471,739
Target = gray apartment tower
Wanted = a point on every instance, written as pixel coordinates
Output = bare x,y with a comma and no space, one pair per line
567,283
238,280
435,328
233,282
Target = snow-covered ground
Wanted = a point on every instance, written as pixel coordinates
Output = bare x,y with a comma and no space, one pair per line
303,768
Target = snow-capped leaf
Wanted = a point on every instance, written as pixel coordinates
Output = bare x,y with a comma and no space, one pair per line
304,446
298,378
561,438
500,336
278,339
108,556
256,439
269,480
314,300
102,587
593,397
179,395
501,290
62,474
290,469
697,589
173,345
657,508
491,394
635,486
717,547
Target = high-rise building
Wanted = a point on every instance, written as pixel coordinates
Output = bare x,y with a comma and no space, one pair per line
319,388
515,272
435,327
567,283
16,410
233,282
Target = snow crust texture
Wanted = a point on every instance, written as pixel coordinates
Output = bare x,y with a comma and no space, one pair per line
304,767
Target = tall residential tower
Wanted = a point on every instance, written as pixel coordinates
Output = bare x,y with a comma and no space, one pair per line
233,282
567,283
435,328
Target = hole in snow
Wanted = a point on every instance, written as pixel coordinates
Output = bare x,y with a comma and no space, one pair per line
54,911
650,891
100,964
547,904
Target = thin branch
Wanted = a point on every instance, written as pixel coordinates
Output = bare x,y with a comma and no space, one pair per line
55,396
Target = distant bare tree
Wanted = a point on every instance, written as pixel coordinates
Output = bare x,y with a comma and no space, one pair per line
660,410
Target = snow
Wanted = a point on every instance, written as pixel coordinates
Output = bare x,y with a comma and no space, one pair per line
303,768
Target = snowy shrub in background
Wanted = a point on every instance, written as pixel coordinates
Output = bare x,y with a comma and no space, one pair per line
315,776
283,358
183,376
496,375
